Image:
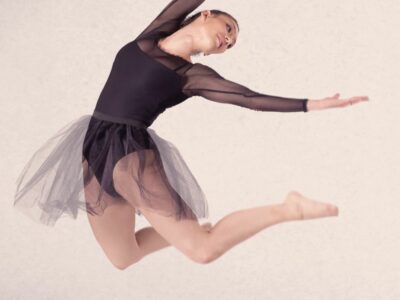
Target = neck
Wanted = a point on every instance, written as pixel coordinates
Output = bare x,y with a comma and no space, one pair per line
180,43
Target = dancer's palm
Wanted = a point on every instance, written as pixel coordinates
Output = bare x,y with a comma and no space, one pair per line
335,101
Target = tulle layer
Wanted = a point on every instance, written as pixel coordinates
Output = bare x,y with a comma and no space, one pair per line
93,163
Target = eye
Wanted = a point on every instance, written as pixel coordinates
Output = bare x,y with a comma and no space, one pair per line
229,30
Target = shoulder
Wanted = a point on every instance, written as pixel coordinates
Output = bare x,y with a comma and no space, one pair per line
199,67
150,36
203,70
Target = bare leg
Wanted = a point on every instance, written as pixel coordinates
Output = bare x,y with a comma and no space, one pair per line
203,247
243,224
188,236
114,229
305,208
149,240
115,233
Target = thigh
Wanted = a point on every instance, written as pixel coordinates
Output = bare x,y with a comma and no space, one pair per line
114,228
153,191
187,235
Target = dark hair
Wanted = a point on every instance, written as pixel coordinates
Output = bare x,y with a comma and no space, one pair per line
216,12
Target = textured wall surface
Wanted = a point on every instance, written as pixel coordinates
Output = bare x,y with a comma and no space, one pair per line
55,57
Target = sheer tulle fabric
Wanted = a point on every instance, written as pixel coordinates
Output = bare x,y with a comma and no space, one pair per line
92,163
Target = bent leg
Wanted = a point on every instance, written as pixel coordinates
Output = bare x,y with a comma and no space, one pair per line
155,184
114,230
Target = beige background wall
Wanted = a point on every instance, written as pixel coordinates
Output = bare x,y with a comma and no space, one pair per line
55,58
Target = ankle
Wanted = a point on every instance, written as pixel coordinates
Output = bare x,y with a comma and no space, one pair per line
291,211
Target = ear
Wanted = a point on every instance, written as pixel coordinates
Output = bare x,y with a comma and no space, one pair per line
206,13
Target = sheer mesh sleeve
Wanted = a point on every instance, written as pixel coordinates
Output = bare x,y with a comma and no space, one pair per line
201,80
169,19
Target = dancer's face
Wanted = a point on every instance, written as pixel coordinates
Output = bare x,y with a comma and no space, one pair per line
217,33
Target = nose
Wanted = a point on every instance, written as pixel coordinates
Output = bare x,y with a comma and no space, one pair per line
227,40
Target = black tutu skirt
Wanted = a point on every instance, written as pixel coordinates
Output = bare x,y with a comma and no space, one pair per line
100,160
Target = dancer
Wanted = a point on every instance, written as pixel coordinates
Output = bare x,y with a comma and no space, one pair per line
112,165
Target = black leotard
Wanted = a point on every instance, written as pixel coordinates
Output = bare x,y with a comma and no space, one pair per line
145,80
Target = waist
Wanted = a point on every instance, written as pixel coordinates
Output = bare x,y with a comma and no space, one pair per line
122,120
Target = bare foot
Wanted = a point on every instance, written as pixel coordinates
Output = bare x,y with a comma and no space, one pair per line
207,226
304,208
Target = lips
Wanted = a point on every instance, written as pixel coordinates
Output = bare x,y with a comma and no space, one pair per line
219,39
218,42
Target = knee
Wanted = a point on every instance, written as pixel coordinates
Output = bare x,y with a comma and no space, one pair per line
122,264
204,254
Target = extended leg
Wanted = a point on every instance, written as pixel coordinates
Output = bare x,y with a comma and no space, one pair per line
204,247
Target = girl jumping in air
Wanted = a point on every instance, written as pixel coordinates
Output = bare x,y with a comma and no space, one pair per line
113,166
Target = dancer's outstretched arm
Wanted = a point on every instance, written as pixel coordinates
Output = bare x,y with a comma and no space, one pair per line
202,80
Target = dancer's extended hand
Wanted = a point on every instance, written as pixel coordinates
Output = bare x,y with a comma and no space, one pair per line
335,101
